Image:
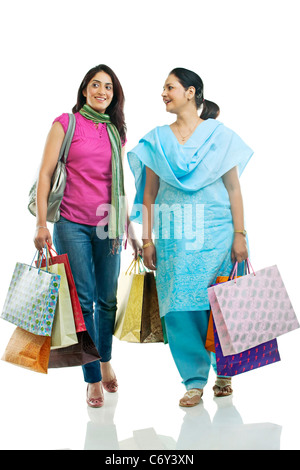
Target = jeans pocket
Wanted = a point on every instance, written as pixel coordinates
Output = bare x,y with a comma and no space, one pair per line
62,220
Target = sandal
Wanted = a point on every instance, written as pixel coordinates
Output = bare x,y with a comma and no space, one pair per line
222,387
191,397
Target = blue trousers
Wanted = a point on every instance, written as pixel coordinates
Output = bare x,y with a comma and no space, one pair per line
186,332
95,270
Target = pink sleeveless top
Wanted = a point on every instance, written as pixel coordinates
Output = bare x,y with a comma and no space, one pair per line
88,172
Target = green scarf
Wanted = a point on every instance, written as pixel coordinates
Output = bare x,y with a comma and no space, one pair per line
117,217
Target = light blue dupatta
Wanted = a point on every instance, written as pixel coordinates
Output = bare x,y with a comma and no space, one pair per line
211,151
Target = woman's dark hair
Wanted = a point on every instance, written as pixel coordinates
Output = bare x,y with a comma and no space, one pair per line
116,108
188,78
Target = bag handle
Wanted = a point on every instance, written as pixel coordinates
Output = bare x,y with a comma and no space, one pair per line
141,262
50,248
233,274
136,263
249,264
65,147
48,257
40,259
131,264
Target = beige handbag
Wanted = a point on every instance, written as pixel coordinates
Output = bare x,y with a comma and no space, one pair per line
59,178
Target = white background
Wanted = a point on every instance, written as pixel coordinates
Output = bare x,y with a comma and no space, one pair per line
247,53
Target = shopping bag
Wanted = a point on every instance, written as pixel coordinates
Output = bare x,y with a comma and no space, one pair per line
31,299
210,340
58,259
251,310
78,354
137,318
151,327
84,351
254,358
63,330
28,350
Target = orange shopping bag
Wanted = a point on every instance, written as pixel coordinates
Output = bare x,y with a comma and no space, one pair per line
210,341
28,350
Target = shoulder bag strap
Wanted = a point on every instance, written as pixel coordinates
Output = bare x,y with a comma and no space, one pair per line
63,154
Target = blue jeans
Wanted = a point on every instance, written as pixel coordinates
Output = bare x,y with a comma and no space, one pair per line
95,270
186,332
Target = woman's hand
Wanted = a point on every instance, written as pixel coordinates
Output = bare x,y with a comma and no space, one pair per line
239,250
137,247
149,257
41,237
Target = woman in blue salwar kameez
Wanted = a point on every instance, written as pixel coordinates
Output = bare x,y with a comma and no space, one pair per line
188,193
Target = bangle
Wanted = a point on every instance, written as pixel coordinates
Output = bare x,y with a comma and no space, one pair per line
148,244
41,226
243,232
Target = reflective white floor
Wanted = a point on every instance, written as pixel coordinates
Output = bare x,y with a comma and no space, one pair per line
49,411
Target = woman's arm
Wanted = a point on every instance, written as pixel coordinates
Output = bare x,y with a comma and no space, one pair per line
231,181
50,157
150,193
137,249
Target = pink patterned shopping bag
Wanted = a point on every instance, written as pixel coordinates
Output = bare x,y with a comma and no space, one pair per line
251,310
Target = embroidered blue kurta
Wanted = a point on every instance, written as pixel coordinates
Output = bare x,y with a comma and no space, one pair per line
193,224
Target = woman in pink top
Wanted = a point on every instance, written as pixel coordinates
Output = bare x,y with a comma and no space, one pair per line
84,229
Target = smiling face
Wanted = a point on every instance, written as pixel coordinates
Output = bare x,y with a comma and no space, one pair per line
174,95
99,92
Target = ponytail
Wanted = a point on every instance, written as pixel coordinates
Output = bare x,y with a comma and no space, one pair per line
188,78
210,110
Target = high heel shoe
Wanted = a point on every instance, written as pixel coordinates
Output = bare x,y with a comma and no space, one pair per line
111,386
95,402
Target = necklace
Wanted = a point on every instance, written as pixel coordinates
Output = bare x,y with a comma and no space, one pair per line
183,138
